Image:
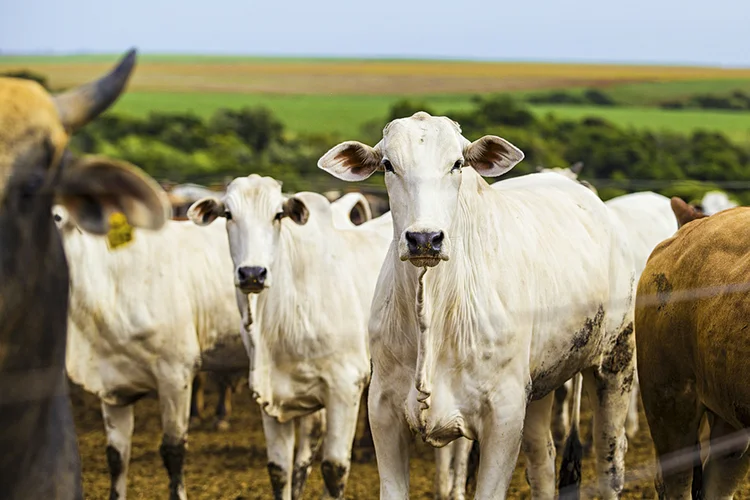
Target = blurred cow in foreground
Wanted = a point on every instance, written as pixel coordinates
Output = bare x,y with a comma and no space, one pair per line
39,452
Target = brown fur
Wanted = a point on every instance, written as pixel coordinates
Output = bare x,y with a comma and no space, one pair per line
693,343
40,455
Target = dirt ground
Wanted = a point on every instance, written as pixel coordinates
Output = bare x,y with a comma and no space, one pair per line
232,465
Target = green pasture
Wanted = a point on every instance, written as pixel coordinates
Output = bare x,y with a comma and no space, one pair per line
346,114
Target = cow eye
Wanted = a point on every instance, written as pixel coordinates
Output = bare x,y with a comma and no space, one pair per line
58,218
457,166
278,216
228,215
387,165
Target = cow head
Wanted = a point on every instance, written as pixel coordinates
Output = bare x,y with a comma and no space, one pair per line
422,157
255,209
37,169
685,212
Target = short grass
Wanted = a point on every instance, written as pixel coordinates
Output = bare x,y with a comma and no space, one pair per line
345,114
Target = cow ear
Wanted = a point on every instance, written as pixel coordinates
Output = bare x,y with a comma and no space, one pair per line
351,161
295,209
577,167
206,210
684,212
94,188
492,156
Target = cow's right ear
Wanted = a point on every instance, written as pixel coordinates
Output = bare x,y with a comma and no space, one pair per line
204,211
93,188
351,161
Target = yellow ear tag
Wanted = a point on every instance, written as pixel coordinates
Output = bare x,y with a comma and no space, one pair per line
120,232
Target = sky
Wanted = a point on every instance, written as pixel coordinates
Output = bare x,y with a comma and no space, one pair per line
713,32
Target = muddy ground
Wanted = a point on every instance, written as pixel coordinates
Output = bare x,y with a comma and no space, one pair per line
232,464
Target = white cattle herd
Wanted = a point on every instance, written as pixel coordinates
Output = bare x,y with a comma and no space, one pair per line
475,312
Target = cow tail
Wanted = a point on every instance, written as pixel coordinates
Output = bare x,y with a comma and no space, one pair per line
570,468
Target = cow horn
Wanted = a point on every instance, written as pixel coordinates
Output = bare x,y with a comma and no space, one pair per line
82,104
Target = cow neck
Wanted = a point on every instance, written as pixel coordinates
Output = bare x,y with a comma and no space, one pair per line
87,258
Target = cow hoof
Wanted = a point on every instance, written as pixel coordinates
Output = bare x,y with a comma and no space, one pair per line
221,426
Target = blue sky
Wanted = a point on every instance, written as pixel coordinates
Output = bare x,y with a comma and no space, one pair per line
655,31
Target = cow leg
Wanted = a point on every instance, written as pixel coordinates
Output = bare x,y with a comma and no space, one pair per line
444,471
118,424
174,402
462,449
724,472
309,437
280,449
499,445
538,448
608,388
631,422
342,411
391,436
197,400
224,405
674,414
561,413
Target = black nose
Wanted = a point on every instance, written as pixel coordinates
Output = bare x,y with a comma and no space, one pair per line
252,278
424,243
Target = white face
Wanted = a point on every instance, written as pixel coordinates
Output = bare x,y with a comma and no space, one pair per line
254,208
422,160
422,157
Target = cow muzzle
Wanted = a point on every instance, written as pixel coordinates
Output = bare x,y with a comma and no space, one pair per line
252,279
424,248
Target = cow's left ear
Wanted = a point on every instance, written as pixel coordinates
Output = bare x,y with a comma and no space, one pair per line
351,161
295,209
94,188
492,156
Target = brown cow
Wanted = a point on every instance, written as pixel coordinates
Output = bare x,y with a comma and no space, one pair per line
691,324
39,456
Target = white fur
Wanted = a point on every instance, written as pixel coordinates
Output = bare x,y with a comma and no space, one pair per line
309,334
716,201
527,262
145,317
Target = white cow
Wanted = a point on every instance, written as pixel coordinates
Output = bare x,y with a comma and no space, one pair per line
715,201
313,283
648,219
145,318
487,301
351,210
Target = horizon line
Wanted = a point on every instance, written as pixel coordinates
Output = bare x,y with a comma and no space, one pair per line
371,57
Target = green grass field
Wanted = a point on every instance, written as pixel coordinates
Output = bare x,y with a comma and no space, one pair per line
346,114
339,95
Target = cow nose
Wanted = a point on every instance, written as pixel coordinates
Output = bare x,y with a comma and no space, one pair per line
252,278
421,243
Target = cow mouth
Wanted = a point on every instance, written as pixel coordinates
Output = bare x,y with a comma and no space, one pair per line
424,260
251,288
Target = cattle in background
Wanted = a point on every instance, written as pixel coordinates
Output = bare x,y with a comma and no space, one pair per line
144,318
714,202
40,455
307,286
181,197
572,172
488,300
692,347
648,220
